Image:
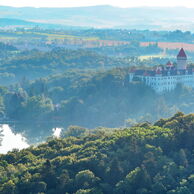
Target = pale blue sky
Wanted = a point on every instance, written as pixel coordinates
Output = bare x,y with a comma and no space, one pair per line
77,3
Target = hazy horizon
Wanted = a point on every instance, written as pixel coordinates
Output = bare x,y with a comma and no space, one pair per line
86,3
143,6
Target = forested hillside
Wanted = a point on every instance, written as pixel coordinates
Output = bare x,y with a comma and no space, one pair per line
90,99
143,159
86,87
35,64
97,99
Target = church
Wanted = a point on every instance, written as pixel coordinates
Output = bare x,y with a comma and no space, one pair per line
164,79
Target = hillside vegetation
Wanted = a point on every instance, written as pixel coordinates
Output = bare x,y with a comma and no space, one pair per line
144,159
35,64
89,99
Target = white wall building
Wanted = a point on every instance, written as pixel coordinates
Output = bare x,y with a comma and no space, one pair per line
166,79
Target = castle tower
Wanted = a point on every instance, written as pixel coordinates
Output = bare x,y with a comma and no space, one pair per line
181,59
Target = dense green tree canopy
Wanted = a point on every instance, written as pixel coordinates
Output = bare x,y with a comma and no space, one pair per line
145,159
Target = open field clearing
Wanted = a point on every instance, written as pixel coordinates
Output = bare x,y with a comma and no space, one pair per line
146,57
171,45
49,36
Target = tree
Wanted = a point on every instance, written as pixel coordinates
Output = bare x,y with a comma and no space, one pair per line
75,131
85,179
8,188
37,106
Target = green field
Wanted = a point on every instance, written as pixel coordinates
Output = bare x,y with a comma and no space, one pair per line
147,57
49,36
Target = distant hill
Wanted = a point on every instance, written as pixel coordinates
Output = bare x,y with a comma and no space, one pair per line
12,22
137,18
15,22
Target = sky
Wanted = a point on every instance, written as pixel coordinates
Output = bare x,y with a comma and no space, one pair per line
10,140
78,3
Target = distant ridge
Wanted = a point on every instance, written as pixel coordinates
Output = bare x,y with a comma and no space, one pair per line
153,18
11,22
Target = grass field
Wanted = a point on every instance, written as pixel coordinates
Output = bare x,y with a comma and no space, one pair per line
171,45
52,36
146,57
88,41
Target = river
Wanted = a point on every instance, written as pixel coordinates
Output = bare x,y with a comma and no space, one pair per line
10,140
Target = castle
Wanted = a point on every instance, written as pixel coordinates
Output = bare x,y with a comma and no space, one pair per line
163,79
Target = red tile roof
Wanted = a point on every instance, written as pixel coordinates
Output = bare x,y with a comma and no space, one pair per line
169,64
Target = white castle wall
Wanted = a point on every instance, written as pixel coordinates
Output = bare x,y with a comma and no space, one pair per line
163,84
168,82
181,63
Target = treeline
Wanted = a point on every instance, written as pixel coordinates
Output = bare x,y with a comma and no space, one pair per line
6,50
136,35
129,50
91,99
34,64
105,34
143,159
7,47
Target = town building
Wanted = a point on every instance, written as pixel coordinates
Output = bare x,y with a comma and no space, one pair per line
164,79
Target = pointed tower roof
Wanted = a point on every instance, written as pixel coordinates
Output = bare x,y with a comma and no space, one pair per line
182,54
